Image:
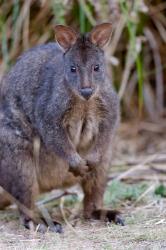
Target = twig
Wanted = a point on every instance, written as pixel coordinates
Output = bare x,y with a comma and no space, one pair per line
114,11
153,127
160,171
161,158
160,28
148,190
19,23
128,66
137,167
26,27
135,178
87,12
54,197
162,221
116,36
65,219
158,68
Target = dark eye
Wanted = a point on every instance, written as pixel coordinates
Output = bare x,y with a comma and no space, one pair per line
73,69
96,68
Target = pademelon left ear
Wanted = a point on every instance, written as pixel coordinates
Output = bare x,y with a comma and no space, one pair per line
101,34
65,36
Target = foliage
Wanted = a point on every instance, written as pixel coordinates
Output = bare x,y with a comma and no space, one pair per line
136,55
161,190
118,191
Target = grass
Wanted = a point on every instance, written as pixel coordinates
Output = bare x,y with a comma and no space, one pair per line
132,27
143,233
144,229
161,190
118,192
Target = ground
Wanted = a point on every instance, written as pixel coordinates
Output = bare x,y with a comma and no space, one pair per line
145,229
136,186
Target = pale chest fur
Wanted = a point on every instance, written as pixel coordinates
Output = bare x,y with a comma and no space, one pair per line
82,122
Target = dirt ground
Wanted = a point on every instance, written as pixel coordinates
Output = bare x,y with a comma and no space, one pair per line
145,229
136,186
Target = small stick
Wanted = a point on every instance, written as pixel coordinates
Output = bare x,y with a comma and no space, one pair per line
65,219
137,167
54,197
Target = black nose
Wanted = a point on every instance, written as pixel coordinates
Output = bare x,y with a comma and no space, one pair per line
86,92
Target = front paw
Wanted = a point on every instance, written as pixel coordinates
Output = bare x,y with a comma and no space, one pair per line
76,161
93,158
79,171
77,165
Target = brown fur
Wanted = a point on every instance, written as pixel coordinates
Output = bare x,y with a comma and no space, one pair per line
52,135
82,124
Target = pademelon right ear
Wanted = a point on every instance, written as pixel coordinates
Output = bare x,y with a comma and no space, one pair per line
101,34
65,36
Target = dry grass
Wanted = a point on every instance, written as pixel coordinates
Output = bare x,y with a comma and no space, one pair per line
145,229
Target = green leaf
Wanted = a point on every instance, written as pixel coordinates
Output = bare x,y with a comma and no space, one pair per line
161,190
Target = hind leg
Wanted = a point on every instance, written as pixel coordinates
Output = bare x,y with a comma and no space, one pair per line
94,186
18,178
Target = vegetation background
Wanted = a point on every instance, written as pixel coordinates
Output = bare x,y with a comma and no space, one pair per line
136,59
136,55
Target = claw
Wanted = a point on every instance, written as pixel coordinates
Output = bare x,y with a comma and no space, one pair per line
119,220
42,227
114,215
109,215
57,228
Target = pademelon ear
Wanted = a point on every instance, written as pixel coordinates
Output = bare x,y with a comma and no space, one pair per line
100,34
65,36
